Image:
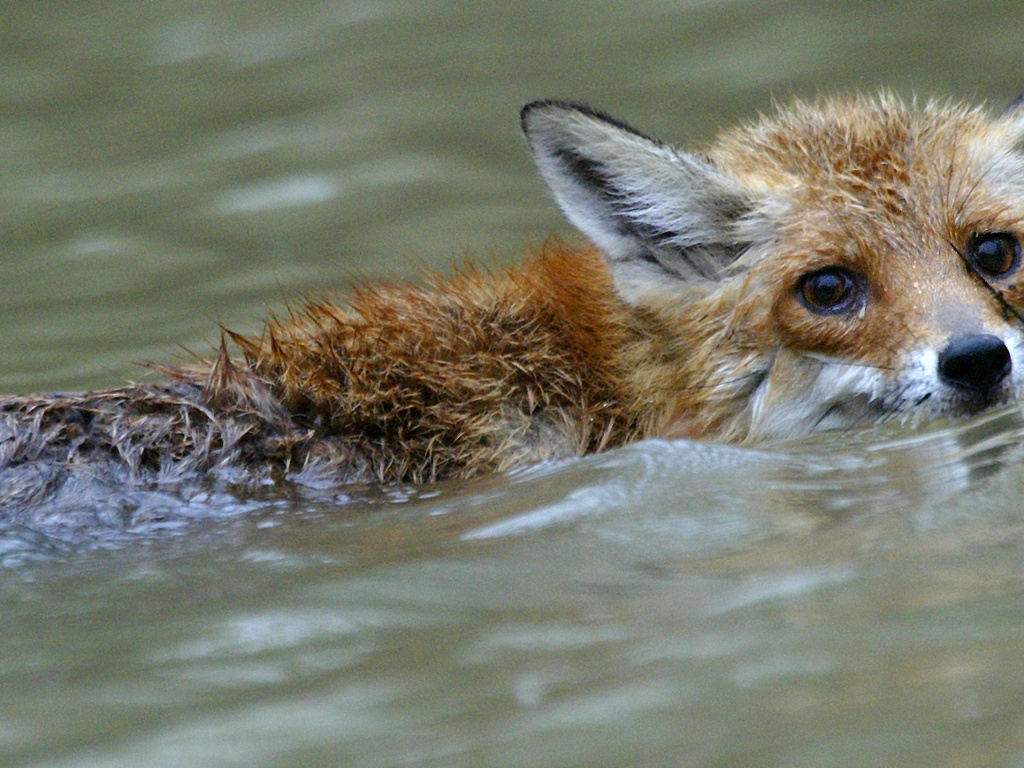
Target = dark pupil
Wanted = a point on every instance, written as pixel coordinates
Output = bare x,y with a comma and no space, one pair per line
995,254
827,289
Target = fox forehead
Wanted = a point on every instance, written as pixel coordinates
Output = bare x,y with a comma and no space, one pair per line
882,172
861,146
885,188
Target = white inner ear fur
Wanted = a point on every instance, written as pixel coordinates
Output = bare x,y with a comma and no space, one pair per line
657,214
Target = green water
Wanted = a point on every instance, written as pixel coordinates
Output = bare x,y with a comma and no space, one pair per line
169,166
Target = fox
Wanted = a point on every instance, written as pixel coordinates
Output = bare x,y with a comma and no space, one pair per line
838,262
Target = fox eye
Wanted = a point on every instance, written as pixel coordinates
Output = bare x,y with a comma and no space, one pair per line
995,254
830,291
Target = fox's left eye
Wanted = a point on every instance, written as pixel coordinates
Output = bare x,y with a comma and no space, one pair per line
830,291
995,254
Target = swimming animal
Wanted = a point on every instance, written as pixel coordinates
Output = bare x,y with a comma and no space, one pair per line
841,262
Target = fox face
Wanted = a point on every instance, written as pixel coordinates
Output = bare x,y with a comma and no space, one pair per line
839,263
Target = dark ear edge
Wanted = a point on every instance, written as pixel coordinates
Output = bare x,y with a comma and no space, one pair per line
1014,106
586,109
659,215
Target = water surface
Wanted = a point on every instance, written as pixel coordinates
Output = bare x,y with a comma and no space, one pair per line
852,600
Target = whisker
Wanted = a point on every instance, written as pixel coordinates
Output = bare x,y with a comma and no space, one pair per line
845,363
963,194
1008,309
948,202
832,408
890,408
749,380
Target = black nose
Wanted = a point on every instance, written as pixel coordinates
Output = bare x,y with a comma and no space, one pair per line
977,363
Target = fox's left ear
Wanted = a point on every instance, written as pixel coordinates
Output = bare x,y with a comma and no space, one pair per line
657,214
1015,109
1014,115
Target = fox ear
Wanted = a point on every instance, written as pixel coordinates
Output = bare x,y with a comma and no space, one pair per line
656,213
1015,108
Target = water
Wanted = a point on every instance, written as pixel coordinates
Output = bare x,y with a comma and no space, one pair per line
169,166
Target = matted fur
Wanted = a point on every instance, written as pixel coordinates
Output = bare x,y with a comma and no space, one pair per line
411,383
687,321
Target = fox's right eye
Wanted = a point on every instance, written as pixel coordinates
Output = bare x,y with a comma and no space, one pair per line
830,291
997,254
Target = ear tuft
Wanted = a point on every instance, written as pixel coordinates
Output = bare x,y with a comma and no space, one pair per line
656,213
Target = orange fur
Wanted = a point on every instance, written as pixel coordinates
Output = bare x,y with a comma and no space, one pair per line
459,376
690,319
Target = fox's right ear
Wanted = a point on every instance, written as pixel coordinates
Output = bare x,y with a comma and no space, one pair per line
655,212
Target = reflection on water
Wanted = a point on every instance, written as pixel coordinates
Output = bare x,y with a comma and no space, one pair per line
786,606
848,600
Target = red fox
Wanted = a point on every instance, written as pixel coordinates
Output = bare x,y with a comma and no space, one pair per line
842,262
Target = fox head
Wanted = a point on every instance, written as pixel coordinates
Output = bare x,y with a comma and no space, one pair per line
838,263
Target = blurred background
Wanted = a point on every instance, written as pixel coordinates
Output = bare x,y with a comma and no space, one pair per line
166,166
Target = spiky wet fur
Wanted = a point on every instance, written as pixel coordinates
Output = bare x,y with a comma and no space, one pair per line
410,383
684,322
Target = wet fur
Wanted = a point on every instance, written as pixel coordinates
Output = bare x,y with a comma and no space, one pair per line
683,322
410,383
